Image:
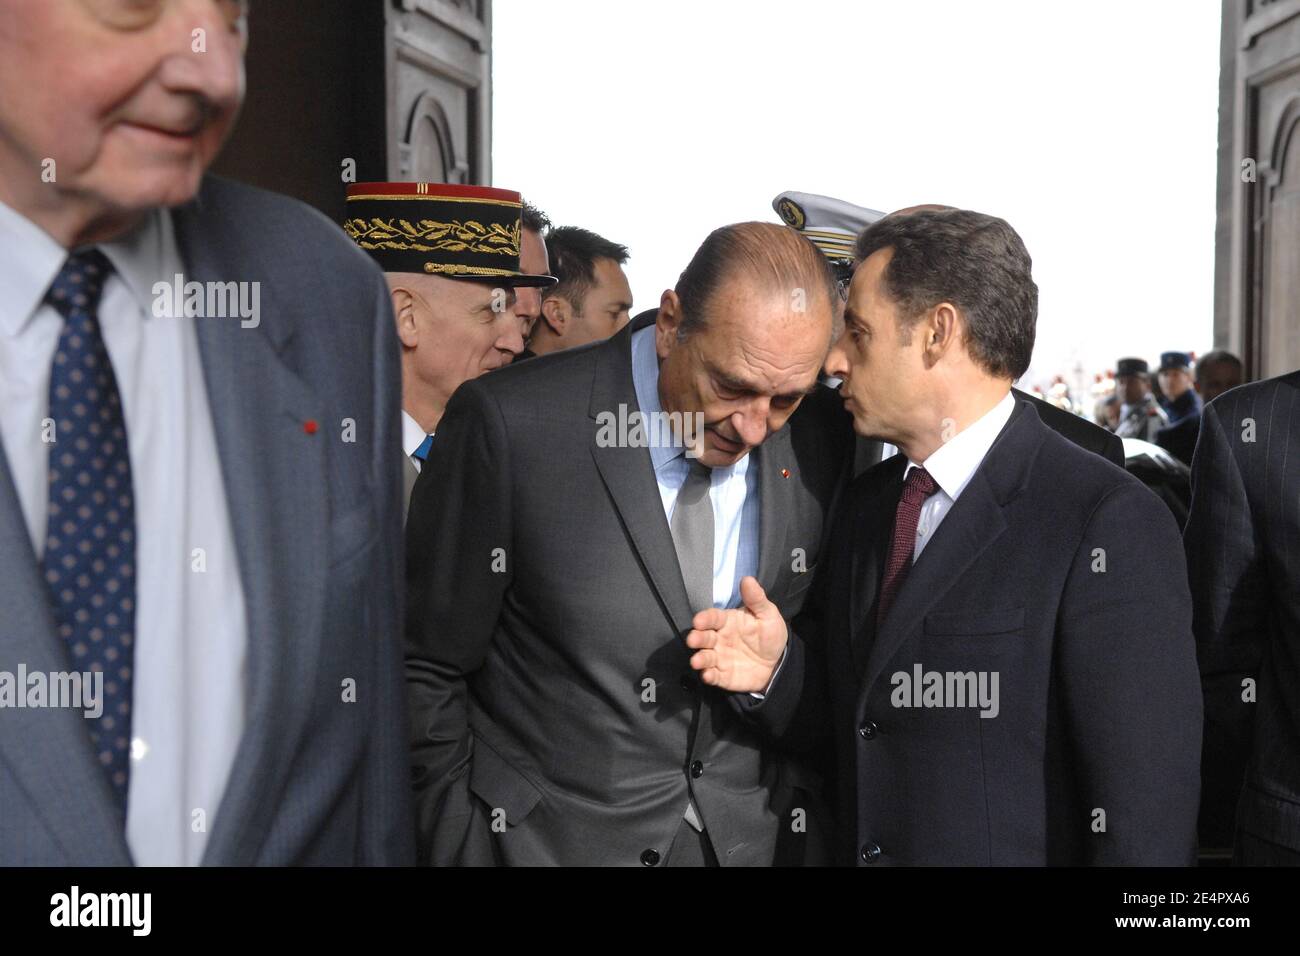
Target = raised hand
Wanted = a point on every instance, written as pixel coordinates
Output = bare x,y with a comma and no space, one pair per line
737,649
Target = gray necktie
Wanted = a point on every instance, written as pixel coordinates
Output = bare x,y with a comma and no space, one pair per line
692,530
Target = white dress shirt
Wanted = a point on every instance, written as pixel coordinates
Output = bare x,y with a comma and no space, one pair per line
954,464
412,438
734,490
189,680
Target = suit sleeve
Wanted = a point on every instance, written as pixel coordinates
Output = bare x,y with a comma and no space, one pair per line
1230,612
386,833
794,714
1129,691
456,579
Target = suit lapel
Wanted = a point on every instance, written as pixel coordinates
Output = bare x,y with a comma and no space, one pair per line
48,749
274,468
873,525
974,522
629,475
776,482
409,476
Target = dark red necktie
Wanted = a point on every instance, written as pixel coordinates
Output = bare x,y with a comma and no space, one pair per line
916,489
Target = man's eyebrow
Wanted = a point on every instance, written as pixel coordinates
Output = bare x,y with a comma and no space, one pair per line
799,393
727,380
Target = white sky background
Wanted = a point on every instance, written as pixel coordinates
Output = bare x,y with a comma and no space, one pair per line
1090,127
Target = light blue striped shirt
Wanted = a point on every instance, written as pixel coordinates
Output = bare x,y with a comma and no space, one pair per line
734,490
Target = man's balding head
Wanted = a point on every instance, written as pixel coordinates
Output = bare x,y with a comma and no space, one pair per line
742,337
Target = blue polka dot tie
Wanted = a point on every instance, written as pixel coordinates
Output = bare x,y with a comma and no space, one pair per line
89,561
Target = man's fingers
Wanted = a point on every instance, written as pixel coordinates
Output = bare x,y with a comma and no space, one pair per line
705,660
710,619
702,638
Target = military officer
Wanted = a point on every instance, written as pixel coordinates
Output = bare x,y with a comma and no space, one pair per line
451,257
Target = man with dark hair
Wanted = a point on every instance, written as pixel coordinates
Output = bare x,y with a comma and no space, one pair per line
1216,372
592,300
555,717
1004,662
1244,563
534,265
833,225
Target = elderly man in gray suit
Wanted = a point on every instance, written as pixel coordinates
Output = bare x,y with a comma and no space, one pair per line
199,504
555,716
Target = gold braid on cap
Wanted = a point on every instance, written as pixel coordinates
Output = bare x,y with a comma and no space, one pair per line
430,236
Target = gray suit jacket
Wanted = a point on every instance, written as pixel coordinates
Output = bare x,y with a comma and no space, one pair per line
555,718
316,521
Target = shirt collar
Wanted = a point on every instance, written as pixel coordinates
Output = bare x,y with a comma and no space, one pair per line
645,379
31,261
412,434
954,463
146,255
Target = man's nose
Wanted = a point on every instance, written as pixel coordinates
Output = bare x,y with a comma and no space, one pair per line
206,54
511,339
751,424
836,364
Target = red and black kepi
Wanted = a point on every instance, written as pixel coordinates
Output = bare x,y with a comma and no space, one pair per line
442,229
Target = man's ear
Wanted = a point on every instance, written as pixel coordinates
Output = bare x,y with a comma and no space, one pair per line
667,322
408,332
556,314
941,329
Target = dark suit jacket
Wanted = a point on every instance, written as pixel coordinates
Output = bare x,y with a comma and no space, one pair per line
1099,707
1179,439
555,718
1079,430
317,525
1243,554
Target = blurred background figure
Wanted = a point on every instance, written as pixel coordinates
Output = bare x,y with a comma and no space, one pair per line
1216,372
1181,404
1140,415
592,299
183,440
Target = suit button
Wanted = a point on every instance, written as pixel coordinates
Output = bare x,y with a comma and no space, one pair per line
697,769
870,853
650,857
868,730
687,684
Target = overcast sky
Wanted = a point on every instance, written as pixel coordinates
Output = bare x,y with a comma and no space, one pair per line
1090,127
